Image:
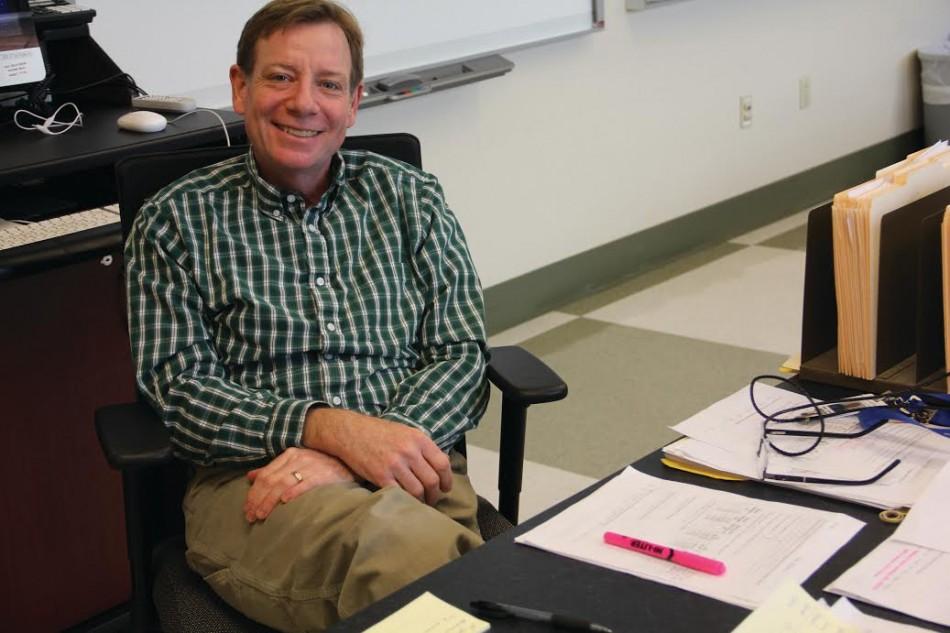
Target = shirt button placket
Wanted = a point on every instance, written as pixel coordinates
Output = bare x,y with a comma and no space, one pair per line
322,289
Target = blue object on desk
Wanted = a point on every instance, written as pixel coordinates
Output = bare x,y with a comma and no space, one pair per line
928,410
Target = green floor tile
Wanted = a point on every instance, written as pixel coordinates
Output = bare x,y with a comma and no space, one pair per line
626,385
792,240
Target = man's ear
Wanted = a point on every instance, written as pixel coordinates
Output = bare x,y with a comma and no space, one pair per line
354,104
238,88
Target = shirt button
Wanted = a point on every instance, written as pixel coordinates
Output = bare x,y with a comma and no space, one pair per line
291,198
337,401
329,356
331,327
321,281
313,228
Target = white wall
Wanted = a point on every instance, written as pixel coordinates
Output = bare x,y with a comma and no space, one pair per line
604,135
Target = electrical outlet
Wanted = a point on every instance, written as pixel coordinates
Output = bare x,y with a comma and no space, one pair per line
804,92
745,111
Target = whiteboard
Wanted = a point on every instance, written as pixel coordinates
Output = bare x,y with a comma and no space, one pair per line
410,34
186,46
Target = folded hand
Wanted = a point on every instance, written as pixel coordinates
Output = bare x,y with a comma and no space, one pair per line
289,475
383,452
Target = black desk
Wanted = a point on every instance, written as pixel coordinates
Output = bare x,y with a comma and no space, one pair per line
506,572
65,352
45,176
99,143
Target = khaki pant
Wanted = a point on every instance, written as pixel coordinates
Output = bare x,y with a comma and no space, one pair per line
326,554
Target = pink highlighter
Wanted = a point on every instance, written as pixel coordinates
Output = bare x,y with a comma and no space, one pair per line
678,556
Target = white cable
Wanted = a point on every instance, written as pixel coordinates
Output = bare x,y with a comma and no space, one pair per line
49,124
224,126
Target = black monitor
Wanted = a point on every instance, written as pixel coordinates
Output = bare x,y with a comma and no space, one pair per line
21,56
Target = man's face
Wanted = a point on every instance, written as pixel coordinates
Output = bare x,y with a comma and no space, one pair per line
297,104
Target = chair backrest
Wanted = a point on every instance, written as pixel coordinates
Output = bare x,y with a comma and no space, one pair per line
139,177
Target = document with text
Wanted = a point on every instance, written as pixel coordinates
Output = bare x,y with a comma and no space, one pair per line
903,577
727,436
762,543
909,571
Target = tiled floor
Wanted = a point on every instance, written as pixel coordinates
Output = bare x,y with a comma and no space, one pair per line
648,353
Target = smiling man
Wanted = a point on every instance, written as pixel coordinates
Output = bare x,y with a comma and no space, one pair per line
308,323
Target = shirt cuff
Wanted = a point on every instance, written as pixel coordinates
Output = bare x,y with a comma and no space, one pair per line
287,424
394,416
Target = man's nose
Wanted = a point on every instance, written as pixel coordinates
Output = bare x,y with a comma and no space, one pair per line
303,98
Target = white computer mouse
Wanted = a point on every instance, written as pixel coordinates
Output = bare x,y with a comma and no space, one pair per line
142,121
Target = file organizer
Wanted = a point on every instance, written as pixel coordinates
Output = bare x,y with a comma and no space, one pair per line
910,346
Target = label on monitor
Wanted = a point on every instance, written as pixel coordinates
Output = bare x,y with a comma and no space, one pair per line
21,59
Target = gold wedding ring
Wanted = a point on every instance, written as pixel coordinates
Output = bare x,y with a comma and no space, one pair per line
297,476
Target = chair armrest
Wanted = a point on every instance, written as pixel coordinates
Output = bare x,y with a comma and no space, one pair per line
524,378
132,436
136,442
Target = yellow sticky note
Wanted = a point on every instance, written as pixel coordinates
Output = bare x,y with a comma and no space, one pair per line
792,365
429,614
790,609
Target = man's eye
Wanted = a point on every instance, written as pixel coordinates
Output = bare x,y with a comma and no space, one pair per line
280,77
331,85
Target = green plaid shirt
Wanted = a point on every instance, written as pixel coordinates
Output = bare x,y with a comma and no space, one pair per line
246,307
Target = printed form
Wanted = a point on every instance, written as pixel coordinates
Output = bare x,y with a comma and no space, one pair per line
908,572
727,436
762,543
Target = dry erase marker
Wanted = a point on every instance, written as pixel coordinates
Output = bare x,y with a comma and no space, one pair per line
678,556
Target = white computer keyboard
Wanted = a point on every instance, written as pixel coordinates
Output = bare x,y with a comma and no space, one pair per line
13,235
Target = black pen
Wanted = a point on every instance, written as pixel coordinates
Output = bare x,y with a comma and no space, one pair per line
500,610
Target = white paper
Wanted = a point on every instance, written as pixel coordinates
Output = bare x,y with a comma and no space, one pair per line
761,542
21,59
922,453
731,435
927,523
732,422
847,612
933,150
705,454
903,577
866,188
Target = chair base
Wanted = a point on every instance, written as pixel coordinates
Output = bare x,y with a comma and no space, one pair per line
185,603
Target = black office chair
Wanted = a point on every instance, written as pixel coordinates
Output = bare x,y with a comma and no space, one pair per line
136,442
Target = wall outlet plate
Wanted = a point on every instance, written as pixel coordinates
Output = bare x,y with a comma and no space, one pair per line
745,111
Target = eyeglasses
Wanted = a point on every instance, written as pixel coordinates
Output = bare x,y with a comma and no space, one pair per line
814,412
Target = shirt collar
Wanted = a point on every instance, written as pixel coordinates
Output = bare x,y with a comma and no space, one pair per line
277,203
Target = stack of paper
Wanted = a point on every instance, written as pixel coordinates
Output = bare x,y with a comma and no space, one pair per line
856,230
762,543
908,572
727,436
